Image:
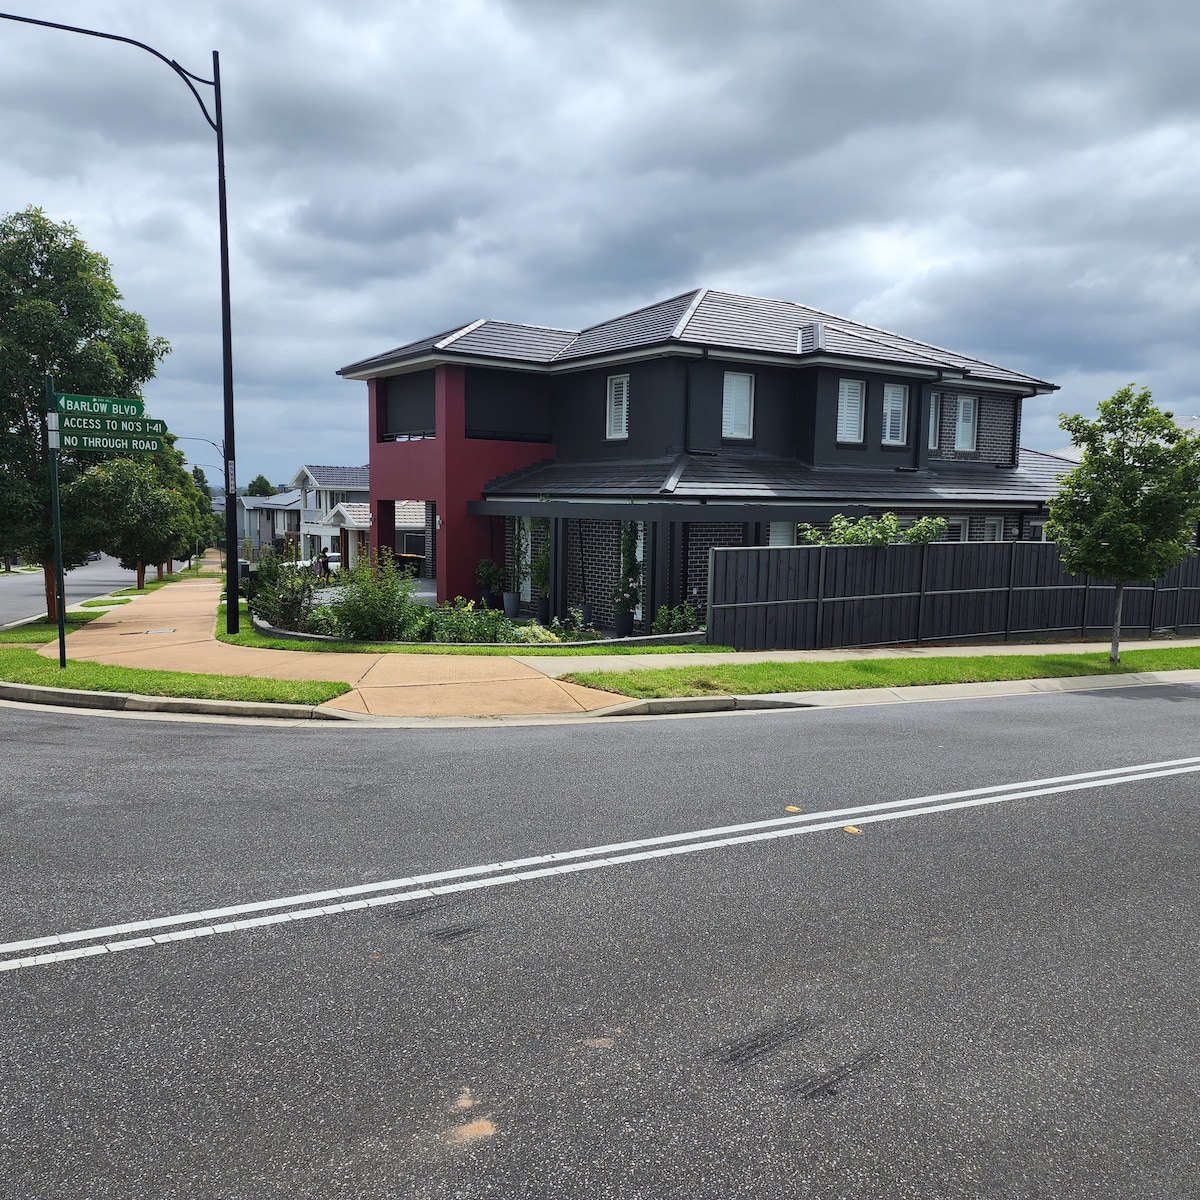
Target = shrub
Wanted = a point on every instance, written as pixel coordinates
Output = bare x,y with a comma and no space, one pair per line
377,603
280,592
683,618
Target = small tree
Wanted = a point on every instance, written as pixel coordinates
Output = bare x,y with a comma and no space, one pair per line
1129,510
260,485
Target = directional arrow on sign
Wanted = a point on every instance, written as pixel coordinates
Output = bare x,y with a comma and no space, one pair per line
107,406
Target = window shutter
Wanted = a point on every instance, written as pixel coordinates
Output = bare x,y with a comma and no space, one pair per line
781,533
850,410
737,406
964,435
895,406
618,406
935,419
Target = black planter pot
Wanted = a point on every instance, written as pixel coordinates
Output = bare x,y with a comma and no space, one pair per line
543,613
623,624
512,604
491,600
586,610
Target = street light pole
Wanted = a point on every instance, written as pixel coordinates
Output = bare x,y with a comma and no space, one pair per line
216,123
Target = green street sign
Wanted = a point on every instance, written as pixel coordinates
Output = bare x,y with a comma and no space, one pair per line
111,426
106,406
103,443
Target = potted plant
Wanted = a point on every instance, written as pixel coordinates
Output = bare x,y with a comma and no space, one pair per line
539,571
490,577
628,593
520,569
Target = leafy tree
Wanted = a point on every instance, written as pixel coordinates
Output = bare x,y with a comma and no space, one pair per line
1129,510
874,531
260,485
136,516
59,315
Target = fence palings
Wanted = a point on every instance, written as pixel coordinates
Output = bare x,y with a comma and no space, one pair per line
824,597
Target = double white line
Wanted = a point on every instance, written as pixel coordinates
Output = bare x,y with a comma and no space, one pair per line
157,931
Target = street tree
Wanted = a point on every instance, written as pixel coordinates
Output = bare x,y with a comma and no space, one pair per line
260,485
135,515
60,315
1129,510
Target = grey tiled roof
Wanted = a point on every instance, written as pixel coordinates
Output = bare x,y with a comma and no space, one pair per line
702,317
355,479
750,479
645,327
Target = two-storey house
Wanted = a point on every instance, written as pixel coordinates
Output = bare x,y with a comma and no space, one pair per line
709,419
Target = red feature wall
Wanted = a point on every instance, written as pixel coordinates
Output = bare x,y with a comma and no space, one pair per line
449,469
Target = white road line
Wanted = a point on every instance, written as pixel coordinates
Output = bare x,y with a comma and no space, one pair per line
566,863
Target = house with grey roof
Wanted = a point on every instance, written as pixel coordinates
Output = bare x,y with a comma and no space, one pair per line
322,489
709,418
268,523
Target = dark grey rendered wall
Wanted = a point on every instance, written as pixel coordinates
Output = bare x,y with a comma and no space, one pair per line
870,452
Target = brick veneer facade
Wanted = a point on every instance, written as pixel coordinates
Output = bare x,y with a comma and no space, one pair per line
702,536
997,421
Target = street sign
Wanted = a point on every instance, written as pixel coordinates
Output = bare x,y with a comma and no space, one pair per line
98,405
111,426
104,443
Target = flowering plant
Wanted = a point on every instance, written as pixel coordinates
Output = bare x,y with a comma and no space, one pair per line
627,595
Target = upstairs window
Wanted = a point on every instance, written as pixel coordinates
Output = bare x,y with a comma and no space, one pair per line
895,414
935,419
617,422
737,406
965,426
851,403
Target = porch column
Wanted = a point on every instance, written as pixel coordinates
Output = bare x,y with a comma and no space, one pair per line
383,526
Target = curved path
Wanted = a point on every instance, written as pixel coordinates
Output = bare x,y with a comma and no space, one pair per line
172,629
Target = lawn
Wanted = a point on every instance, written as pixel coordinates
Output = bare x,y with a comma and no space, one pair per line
110,602
37,633
22,665
756,678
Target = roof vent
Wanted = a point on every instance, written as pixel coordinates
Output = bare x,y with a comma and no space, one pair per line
810,338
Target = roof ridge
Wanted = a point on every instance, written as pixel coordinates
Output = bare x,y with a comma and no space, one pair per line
461,331
689,312
644,308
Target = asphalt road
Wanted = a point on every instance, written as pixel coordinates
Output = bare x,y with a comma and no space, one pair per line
989,995
23,593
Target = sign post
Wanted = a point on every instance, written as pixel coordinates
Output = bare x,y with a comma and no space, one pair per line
95,425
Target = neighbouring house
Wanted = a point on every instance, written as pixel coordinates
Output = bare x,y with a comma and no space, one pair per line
322,489
352,523
268,523
709,419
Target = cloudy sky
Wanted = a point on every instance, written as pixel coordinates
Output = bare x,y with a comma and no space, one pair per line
1016,180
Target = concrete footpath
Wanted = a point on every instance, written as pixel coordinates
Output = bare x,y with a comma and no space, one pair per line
172,629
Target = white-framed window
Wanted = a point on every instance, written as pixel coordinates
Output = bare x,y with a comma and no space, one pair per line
1037,531
966,424
781,533
993,529
956,529
935,419
737,405
617,421
852,395
895,414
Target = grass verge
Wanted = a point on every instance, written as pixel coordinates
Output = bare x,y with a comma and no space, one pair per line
249,636
37,633
20,665
756,678
152,585
111,602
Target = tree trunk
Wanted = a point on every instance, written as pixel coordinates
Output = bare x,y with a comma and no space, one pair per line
160,573
170,566
1114,655
49,575
141,575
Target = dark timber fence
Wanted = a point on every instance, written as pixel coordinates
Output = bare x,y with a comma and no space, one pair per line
820,597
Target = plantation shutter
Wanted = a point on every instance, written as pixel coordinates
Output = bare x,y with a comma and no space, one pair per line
850,410
781,533
618,406
895,405
737,419
964,436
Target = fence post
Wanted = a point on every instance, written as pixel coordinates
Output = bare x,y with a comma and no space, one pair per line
1087,588
1153,608
820,600
708,616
